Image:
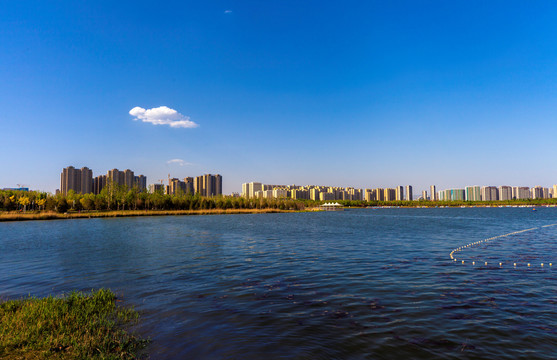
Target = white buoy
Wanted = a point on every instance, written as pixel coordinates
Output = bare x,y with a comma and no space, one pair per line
514,264
473,263
486,262
500,264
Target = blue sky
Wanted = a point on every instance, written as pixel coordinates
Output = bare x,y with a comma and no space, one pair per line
357,93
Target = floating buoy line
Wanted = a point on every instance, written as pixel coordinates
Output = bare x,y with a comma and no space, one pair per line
476,243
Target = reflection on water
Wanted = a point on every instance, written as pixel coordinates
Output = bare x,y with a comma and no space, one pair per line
355,284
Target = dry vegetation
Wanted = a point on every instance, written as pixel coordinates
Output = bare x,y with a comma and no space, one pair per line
52,215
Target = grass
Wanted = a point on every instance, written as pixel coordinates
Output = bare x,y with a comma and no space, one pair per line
77,326
51,215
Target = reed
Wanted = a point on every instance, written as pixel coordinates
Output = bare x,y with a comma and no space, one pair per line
77,326
51,215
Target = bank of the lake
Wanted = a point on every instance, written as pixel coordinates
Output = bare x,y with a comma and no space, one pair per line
75,326
52,215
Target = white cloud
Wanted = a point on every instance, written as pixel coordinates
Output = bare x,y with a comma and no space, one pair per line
228,11
162,116
179,162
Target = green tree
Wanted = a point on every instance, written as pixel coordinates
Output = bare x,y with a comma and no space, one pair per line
62,205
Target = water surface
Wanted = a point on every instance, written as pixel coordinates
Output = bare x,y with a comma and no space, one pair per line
366,283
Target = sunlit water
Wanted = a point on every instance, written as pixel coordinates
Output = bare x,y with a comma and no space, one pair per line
368,283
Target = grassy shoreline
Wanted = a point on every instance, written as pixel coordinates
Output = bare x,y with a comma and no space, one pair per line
76,326
51,215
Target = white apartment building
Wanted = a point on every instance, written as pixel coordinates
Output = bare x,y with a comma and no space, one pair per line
521,192
280,193
254,187
399,193
473,193
408,193
489,193
433,193
505,193
537,192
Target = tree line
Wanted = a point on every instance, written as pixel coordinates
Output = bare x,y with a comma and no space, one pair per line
122,198
117,197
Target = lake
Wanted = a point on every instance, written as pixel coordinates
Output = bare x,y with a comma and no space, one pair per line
354,284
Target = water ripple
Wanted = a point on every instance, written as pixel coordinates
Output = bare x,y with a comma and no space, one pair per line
357,284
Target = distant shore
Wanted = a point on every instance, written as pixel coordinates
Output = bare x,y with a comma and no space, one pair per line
459,206
52,215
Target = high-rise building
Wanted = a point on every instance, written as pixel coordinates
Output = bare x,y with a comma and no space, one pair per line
189,185
299,194
217,190
115,177
253,187
99,183
280,193
342,195
369,195
489,193
153,188
379,194
69,180
78,180
458,194
539,192
399,193
198,185
389,194
208,185
505,192
409,193
211,185
424,195
473,193
175,186
521,192
140,182
433,193
86,180
445,195
245,190
128,178
314,194
356,194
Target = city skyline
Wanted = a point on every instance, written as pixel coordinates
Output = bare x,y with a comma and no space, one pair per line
82,181
398,193
372,93
73,178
